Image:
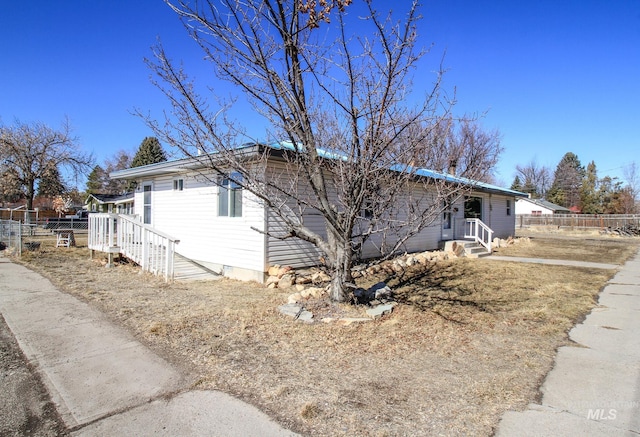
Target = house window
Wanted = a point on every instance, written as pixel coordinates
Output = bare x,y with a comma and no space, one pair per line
508,206
446,214
178,184
230,196
368,210
146,204
536,212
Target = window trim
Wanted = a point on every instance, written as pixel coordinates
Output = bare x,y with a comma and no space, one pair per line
178,184
230,196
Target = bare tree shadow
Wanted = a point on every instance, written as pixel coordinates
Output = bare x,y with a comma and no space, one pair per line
438,288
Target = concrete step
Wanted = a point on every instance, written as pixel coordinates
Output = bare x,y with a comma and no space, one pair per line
472,249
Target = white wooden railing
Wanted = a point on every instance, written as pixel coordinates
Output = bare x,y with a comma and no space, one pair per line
481,233
116,233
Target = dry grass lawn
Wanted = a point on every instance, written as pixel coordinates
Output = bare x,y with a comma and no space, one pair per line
469,339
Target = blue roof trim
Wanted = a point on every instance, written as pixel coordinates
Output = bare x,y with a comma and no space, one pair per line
288,145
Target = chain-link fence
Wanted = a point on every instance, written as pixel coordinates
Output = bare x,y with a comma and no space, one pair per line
11,235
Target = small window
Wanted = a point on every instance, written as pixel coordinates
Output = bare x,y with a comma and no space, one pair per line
446,214
508,206
178,184
230,196
368,210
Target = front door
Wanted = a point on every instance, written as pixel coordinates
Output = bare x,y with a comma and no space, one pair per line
473,207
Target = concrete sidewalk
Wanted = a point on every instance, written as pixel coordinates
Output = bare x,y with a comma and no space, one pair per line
553,262
104,382
594,387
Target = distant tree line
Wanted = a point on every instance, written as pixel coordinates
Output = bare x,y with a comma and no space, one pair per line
34,157
580,189
99,182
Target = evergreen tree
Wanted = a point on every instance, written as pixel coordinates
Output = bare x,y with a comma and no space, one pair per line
516,185
10,186
609,193
567,179
51,184
149,152
96,180
590,202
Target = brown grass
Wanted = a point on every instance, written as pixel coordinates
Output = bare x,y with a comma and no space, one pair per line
578,247
469,340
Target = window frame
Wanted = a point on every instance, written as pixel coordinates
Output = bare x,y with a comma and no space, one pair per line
178,184
230,195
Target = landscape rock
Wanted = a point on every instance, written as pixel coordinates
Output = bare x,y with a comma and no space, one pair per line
274,270
294,298
284,271
379,311
286,281
293,310
320,277
272,280
303,280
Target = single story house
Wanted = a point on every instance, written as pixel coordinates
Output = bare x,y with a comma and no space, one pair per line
111,203
229,230
528,206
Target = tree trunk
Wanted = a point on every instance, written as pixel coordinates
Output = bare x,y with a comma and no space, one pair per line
31,194
341,274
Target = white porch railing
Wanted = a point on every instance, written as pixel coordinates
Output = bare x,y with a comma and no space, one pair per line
481,233
116,233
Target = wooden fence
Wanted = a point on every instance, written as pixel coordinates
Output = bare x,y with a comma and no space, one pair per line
598,221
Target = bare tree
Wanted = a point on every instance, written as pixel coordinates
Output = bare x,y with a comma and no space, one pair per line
121,160
632,177
536,179
337,96
33,149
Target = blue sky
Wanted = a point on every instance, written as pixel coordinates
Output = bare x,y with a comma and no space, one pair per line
554,76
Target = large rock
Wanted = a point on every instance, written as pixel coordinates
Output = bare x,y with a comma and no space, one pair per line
379,311
295,298
293,310
272,280
286,281
274,270
320,277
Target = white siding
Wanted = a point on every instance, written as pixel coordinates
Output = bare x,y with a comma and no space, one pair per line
228,243
503,225
525,206
297,253
191,215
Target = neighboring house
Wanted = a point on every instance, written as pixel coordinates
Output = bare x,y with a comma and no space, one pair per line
527,206
111,203
226,228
